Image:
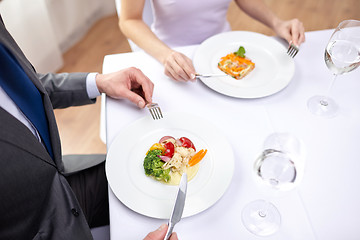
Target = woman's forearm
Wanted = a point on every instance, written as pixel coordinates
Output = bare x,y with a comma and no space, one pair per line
291,30
135,29
141,35
258,10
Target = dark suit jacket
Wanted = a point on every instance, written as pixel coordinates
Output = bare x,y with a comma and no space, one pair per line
36,202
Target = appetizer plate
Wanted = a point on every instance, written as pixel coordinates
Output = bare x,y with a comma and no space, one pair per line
144,195
273,71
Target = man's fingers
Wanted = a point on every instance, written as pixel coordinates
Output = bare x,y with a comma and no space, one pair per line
158,234
135,98
173,236
146,85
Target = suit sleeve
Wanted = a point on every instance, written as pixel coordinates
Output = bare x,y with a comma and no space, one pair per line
66,89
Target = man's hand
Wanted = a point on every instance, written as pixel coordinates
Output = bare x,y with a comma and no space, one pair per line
129,83
160,233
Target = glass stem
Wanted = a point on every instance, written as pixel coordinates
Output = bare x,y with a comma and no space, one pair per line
324,101
331,84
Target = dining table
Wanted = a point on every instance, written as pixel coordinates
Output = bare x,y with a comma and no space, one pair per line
324,205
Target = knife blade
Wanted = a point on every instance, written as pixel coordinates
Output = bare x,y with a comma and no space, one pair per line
178,207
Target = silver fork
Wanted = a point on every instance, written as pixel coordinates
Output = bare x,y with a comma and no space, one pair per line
155,111
292,50
211,75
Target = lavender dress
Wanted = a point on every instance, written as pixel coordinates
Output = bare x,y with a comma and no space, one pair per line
188,22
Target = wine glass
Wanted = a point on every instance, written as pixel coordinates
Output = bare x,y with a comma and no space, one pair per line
342,55
280,166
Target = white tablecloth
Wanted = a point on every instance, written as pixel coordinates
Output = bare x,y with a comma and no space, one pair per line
326,205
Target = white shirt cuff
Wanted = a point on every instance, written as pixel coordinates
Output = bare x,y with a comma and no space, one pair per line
91,87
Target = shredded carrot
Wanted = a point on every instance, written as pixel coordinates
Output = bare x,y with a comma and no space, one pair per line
236,66
197,157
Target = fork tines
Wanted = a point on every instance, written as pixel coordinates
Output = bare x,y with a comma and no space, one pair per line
293,50
155,111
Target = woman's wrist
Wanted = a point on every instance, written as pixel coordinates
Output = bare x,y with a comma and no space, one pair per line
275,23
165,54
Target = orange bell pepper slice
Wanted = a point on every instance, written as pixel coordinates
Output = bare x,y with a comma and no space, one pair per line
156,146
197,157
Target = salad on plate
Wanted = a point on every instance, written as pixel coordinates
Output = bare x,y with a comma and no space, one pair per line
169,158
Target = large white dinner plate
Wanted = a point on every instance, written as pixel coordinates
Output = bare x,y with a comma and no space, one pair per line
142,194
273,71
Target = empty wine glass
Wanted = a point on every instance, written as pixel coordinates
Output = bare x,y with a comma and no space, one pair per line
342,55
280,166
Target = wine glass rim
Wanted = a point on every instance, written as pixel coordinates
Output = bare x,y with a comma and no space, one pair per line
348,21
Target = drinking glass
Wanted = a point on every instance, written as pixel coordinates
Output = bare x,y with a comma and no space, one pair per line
280,166
342,55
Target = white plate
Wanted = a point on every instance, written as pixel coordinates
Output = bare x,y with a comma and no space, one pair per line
142,194
273,71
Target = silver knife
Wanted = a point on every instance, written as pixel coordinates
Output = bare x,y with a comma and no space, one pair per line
211,75
178,207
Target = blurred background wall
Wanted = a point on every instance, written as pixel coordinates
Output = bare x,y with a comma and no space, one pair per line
44,29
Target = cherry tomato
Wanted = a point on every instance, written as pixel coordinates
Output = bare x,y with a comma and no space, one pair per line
185,142
169,149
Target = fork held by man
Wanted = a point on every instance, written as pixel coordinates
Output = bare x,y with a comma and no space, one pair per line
155,111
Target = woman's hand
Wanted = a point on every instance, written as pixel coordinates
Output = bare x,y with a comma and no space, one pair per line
129,83
178,66
292,31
